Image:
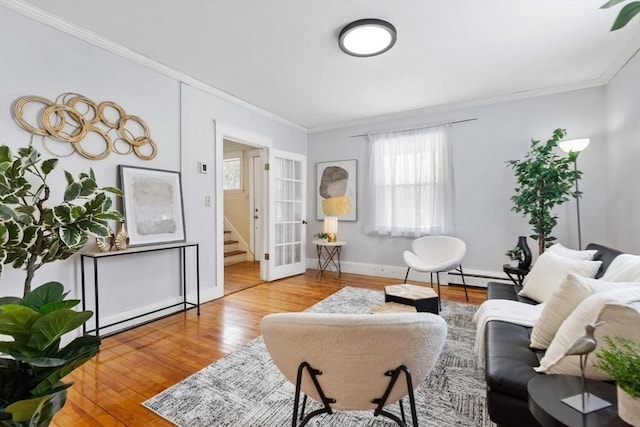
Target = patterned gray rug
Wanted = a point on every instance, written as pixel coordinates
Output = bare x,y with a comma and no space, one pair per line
245,388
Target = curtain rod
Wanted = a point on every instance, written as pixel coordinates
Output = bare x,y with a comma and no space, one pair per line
418,128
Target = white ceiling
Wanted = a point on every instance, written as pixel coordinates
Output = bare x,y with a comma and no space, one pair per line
283,57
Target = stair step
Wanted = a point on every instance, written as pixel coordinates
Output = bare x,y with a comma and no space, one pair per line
230,242
232,253
227,231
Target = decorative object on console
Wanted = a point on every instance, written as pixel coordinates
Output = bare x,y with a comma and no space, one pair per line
585,402
577,146
322,236
121,239
620,359
105,244
64,121
153,205
525,260
543,181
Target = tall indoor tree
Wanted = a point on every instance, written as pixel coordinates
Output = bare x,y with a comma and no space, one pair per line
544,180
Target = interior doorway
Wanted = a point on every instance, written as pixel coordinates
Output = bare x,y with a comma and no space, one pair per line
242,206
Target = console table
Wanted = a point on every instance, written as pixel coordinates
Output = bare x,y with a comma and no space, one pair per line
181,248
516,274
329,257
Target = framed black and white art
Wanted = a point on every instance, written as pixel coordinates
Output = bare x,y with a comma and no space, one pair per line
152,203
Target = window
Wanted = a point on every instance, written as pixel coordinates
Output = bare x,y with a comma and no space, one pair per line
232,171
411,190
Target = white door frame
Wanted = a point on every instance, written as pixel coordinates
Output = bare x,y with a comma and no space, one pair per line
247,137
256,170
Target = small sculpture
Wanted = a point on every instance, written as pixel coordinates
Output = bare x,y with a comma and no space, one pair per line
122,238
105,244
585,402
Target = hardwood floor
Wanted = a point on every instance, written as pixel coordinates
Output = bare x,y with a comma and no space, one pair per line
137,364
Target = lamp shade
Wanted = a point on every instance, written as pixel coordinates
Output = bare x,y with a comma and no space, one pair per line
331,224
576,145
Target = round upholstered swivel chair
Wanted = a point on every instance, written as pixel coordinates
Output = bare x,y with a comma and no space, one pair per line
436,254
354,361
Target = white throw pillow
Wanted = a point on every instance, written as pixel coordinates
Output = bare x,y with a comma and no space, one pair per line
617,308
624,268
561,303
550,270
586,255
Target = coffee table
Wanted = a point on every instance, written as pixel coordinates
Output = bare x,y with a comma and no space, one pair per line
424,299
547,391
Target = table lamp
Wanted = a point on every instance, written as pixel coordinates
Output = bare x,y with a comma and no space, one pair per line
334,207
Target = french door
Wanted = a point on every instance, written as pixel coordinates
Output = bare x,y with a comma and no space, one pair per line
287,214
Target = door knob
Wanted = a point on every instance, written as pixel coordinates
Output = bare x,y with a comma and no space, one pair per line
304,222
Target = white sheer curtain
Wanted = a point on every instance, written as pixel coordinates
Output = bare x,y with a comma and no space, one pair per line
411,188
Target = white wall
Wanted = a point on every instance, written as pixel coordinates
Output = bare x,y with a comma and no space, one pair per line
623,158
483,182
39,60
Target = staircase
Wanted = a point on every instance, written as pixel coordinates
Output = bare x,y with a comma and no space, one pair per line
232,253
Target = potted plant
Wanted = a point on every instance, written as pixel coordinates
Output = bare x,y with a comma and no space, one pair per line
33,234
620,359
322,236
544,180
515,255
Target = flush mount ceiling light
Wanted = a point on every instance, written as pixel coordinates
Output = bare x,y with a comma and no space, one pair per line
367,37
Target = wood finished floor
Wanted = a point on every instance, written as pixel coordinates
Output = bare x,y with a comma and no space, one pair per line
135,365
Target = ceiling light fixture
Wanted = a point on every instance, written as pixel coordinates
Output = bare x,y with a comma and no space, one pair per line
367,37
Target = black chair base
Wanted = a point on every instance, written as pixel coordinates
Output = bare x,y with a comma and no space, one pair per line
326,401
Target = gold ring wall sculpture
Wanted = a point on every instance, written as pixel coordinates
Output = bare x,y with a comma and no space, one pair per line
72,117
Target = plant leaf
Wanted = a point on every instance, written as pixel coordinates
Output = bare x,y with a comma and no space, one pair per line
45,294
113,190
611,3
72,192
48,166
16,321
70,236
625,15
37,411
50,327
62,214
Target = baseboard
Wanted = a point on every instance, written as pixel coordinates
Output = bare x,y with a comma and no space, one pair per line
398,272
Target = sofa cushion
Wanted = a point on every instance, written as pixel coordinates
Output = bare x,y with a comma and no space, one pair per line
571,292
509,360
623,268
604,254
550,270
496,290
556,361
586,255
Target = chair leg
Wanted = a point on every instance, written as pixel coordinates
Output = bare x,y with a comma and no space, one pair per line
464,283
439,297
431,280
406,275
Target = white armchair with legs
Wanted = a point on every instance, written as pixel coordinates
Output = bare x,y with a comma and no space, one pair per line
436,254
354,361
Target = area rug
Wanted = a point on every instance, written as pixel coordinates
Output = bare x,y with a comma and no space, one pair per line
245,388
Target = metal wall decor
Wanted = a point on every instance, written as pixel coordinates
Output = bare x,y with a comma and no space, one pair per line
73,116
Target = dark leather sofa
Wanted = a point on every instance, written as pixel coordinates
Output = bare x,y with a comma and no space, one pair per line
510,360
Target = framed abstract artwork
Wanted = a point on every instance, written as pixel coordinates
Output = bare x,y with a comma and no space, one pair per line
152,205
336,189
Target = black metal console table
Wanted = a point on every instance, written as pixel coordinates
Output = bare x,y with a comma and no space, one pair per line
95,256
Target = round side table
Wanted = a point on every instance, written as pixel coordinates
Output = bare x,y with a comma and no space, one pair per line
545,402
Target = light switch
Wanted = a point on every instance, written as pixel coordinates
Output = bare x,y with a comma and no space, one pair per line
207,201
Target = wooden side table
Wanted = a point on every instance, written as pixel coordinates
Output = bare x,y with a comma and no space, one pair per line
545,402
329,257
516,274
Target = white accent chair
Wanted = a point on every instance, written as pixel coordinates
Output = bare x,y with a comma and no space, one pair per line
436,254
354,361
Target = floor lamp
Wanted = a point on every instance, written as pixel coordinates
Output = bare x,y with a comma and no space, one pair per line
576,145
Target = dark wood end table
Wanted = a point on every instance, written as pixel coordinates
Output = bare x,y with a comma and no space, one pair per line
547,391
516,274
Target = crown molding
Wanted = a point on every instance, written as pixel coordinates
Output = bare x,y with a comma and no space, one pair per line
74,30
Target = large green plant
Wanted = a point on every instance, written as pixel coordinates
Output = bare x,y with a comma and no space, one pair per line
620,359
32,234
30,388
544,180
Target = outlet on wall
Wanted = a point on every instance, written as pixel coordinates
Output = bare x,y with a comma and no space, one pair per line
207,201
